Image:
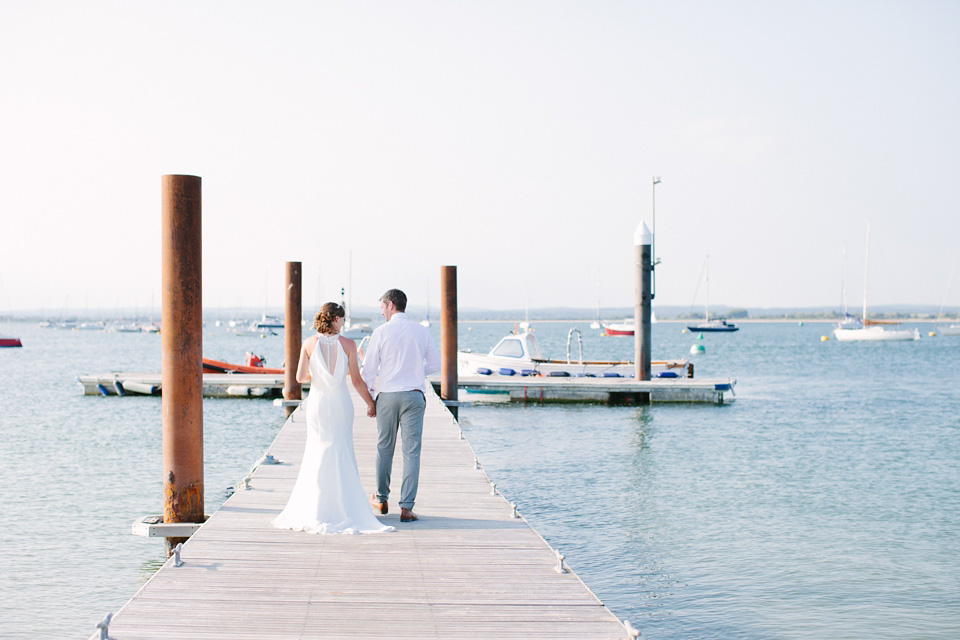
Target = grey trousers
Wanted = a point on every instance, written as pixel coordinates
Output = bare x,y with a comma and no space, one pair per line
399,411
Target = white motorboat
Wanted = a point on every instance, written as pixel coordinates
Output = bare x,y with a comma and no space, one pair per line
952,330
356,331
518,354
852,329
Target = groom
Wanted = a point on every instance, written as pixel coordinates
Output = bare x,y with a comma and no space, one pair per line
402,352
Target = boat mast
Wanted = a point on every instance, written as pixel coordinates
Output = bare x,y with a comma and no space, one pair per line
866,262
346,320
706,309
597,324
949,282
843,284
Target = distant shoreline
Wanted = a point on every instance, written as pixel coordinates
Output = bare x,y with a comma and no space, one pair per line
692,320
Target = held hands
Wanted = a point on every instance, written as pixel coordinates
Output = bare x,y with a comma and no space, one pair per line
371,410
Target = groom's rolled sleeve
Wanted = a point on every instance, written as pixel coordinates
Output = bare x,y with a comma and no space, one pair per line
431,357
371,361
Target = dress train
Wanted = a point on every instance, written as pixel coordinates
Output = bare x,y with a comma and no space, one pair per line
328,496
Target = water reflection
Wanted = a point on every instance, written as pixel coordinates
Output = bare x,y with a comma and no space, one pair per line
152,565
642,420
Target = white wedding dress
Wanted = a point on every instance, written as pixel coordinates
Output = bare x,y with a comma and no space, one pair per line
328,496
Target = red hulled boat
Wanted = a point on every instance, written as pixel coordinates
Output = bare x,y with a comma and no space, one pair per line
9,341
254,364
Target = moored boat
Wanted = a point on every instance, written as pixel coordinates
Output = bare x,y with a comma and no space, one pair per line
625,328
9,341
252,330
356,331
518,354
873,330
126,327
715,325
268,322
254,364
853,329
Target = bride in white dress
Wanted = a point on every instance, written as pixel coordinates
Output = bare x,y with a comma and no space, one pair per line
328,496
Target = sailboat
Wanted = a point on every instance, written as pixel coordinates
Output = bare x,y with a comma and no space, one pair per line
716,325
351,330
426,321
852,329
952,329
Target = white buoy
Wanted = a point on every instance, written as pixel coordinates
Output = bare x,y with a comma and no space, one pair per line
697,348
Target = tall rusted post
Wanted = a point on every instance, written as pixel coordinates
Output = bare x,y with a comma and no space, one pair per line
643,241
182,353
292,336
448,336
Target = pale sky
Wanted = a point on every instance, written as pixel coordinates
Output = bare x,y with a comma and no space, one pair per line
516,140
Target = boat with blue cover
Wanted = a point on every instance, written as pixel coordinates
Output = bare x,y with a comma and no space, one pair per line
518,355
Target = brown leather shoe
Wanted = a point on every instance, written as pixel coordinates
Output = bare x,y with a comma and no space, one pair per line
378,506
407,515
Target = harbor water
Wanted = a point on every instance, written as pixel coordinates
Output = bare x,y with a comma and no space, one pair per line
824,502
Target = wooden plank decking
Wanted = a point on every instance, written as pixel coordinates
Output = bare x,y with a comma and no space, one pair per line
467,569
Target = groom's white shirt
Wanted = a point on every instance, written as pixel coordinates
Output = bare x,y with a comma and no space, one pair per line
402,352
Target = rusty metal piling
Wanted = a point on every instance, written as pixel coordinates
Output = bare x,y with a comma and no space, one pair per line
292,336
182,352
448,336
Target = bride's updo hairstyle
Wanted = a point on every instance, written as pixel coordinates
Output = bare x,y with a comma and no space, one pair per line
325,317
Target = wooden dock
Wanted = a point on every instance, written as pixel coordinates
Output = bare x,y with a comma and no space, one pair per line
467,569
518,389
215,385
618,391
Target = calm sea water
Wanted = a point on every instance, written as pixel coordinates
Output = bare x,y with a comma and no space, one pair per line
823,503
